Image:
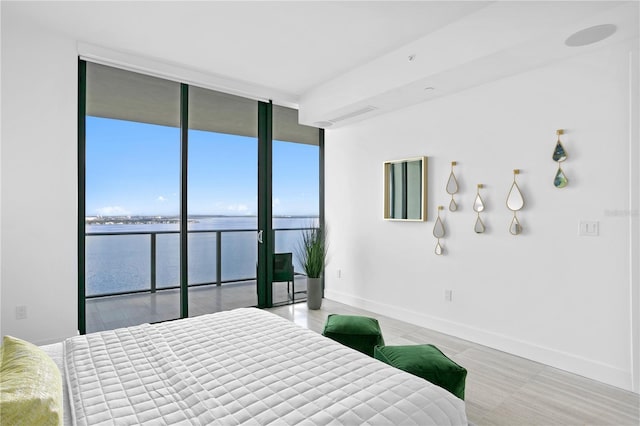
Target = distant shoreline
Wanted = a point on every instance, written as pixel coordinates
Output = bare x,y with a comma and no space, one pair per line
156,219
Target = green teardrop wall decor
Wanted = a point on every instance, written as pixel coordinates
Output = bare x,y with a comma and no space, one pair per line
559,155
560,181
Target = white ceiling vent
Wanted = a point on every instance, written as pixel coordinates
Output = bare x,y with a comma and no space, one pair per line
352,114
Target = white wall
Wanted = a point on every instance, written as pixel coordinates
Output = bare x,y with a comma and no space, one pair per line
0,180
548,294
39,182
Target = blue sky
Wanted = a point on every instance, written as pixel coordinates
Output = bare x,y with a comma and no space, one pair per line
134,169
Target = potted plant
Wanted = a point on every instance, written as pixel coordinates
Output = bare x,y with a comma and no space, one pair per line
312,253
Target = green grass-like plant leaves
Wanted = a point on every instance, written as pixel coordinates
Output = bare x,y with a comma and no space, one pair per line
312,251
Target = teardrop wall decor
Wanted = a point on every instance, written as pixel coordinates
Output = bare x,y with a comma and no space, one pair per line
515,228
452,188
479,206
439,232
559,155
515,202
438,228
560,181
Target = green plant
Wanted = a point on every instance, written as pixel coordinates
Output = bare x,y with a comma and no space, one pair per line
312,251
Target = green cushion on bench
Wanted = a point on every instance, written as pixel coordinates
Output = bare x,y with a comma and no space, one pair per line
357,332
428,362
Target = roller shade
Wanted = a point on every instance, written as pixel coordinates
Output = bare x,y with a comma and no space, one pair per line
126,95
287,128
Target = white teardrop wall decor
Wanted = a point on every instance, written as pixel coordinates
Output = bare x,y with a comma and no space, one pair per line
479,206
515,203
452,188
439,232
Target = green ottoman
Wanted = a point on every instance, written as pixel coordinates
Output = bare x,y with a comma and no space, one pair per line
359,333
428,362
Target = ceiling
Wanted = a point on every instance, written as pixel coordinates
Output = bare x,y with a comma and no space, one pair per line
339,61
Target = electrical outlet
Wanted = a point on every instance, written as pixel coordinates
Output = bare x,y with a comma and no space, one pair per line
448,295
339,273
21,312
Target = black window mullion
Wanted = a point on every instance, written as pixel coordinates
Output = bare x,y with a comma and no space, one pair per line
405,184
82,108
321,190
265,226
184,151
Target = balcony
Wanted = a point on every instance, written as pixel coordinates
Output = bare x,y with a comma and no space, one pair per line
133,277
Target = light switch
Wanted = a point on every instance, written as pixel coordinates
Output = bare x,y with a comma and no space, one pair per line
589,229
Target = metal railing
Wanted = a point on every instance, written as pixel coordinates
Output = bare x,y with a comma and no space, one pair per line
153,253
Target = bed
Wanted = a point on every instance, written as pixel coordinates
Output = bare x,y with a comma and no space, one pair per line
245,366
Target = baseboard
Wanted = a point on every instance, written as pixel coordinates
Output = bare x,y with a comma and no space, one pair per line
572,363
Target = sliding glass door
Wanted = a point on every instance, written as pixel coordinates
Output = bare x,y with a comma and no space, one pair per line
132,178
295,194
222,204
184,196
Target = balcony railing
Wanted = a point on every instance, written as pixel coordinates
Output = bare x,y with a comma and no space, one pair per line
120,263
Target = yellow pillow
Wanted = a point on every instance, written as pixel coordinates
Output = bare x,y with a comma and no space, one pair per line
30,385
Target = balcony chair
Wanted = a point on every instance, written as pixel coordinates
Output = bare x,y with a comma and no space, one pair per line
283,271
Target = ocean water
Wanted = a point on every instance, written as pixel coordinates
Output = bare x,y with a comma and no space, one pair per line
121,263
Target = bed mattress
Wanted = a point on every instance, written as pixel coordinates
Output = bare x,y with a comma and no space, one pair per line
245,366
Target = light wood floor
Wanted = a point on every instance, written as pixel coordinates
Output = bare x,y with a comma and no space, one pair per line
501,389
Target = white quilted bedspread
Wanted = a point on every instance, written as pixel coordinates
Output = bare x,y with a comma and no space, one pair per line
244,366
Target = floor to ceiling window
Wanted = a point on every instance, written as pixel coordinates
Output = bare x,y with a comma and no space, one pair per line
222,203
295,171
171,174
131,201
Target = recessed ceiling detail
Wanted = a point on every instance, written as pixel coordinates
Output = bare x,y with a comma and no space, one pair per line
352,114
323,124
499,40
331,58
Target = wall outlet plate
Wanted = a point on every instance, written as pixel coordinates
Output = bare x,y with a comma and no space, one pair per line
21,312
589,228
